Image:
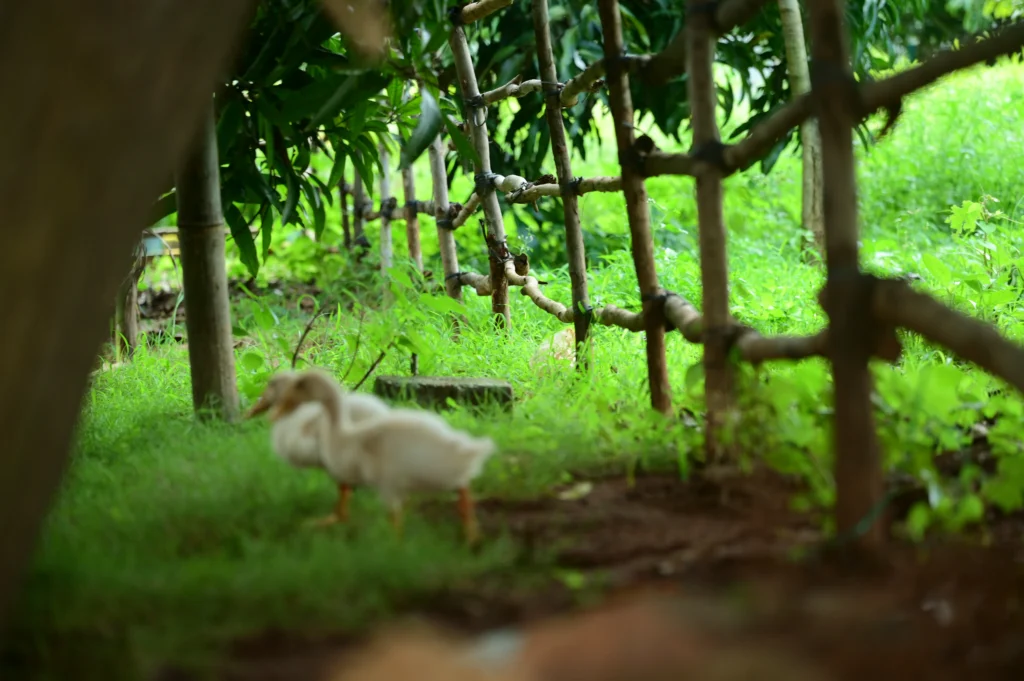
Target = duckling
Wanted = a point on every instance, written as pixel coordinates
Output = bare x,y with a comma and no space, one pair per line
297,436
397,452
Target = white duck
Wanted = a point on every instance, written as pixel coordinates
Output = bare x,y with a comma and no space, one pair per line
297,437
397,452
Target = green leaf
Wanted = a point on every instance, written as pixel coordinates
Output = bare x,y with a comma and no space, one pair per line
266,229
462,144
243,238
164,206
694,374
426,130
338,170
252,361
442,304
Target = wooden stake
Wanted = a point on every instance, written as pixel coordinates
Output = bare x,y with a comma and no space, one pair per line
636,207
412,220
858,459
719,381
575,251
204,276
445,237
477,117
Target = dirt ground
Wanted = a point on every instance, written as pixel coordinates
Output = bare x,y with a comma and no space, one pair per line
742,606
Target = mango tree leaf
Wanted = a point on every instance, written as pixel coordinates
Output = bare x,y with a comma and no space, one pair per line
426,130
462,144
243,237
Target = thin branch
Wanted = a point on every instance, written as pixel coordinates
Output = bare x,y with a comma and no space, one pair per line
476,11
305,332
895,303
582,186
515,88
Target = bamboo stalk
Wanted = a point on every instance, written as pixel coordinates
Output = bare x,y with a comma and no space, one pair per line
813,193
859,482
636,207
359,211
201,241
386,244
719,381
412,221
445,238
346,229
475,11
575,251
470,91
583,186
515,88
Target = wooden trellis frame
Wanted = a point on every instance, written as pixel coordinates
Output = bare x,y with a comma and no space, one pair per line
863,311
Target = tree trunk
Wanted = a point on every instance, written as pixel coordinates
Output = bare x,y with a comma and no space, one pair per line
445,236
575,250
621,104
108,136
204,277
812,213
470,90
386,246
412,220
859,481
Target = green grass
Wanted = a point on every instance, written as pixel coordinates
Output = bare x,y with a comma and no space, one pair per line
171,537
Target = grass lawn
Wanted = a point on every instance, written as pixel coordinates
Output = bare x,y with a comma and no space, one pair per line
173,537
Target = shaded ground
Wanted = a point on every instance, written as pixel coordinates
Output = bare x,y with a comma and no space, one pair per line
724,553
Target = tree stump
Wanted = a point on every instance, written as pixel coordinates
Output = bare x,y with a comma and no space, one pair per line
433,391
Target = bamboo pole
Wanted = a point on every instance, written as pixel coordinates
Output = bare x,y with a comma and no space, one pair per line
412,221
636,207
719,381
359,210
575,250
445,237
386,209
859,482
477,118
813,194
201,239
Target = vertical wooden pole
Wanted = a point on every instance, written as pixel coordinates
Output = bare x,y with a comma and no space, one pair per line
582,311
445,237
714,269
412,220
812,197
477,118
858,458
201,239
346,229
359,207
386,245
635,192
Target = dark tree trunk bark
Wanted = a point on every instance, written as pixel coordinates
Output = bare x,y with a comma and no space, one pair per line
204,276
108,136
